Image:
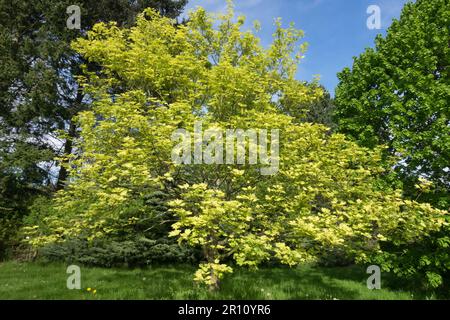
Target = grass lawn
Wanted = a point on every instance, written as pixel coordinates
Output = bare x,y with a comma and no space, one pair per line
39,281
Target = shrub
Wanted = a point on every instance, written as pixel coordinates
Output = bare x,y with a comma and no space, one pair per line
139,251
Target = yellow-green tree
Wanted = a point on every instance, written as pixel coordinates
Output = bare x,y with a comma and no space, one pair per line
159,77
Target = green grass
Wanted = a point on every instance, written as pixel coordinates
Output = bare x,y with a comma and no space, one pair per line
39,281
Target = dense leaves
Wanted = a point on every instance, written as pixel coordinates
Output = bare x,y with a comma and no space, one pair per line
158,77
398,94
39,94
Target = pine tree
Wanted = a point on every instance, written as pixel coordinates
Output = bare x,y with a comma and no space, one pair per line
39,93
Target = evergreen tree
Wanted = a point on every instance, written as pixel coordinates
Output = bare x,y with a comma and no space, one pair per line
39,93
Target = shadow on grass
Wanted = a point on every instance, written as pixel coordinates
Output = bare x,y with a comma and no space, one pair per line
389,281
159,282
300,283
285,283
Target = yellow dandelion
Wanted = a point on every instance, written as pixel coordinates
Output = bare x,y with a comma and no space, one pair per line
89,289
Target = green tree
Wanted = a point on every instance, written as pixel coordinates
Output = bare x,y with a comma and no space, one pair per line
327,193
39,93
398,94
319,111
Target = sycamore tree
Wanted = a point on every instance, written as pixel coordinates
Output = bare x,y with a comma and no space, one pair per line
159,78
398,94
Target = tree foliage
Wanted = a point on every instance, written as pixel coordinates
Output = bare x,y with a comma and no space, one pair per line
318,111
158,77
39,94
398,94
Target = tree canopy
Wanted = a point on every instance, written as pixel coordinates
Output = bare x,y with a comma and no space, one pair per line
39,93
158,77
398,94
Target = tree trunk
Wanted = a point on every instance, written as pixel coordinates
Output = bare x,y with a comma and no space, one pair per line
63,173
209,256
215,285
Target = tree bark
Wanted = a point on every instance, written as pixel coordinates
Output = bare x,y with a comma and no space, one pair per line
63,173
215,282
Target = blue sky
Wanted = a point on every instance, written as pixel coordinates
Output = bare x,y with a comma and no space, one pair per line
335,29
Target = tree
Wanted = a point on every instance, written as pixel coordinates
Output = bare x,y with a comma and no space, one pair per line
39,93
326,194
318,111
398,94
